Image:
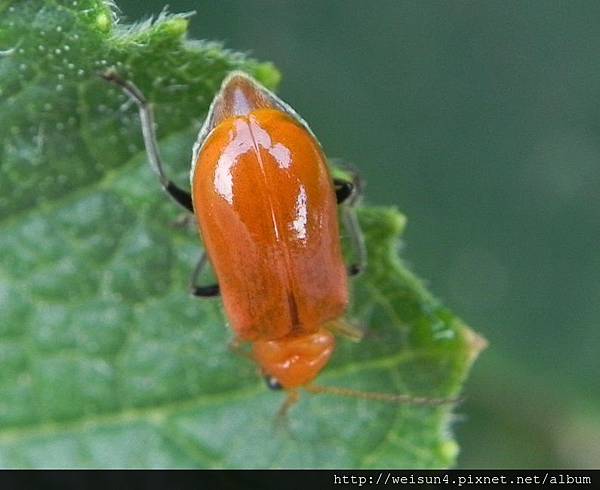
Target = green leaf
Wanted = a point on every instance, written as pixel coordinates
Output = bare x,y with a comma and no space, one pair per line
105,359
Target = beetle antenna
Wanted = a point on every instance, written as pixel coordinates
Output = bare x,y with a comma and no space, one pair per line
292,398
379,396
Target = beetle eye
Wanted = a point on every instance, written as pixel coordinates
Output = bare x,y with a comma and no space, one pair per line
273,383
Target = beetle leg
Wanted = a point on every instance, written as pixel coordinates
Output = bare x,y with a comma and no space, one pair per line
348,193
343,190
209,291
344,328
185,221
179,195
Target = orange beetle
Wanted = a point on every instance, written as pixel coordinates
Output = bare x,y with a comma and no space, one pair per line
266,207
265,203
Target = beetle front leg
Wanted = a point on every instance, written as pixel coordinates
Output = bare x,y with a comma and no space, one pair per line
179,195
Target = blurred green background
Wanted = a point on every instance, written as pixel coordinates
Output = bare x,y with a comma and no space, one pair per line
481,122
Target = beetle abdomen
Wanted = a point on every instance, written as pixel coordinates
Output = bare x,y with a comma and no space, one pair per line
267,212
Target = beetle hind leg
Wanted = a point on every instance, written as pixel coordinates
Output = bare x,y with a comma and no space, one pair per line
200,291
345,329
